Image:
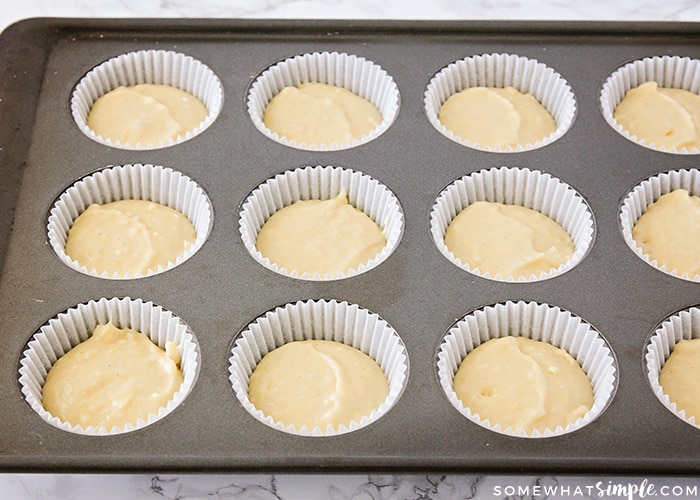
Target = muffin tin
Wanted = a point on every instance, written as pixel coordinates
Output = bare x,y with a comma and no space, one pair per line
221,289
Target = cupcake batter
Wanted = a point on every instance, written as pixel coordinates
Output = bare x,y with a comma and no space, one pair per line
524,384
508,240
669,232
317,383
320,115
496,117
129,237
324,237
114,378
145,114
679,377
661,116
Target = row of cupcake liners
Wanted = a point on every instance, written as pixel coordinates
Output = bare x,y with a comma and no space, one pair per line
370,81
509,185
213,397
340,321
533,189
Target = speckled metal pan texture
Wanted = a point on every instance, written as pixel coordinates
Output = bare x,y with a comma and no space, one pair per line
221,289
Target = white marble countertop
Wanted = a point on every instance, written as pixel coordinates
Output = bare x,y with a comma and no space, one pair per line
355,486
628,10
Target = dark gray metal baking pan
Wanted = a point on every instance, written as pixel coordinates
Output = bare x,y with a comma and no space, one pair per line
221,289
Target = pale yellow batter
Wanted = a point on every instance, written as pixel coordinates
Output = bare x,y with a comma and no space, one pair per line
320,236
114,378
317,383
318,114
129,236
496,117
510,240
669,232
679,377
145,114
662,116
524,384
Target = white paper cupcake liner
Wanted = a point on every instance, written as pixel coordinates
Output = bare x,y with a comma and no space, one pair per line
321,183
667,71
516,186
142,182
356,74
497,71
154,67
76,325
683,325
635,204
535,321
319,320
